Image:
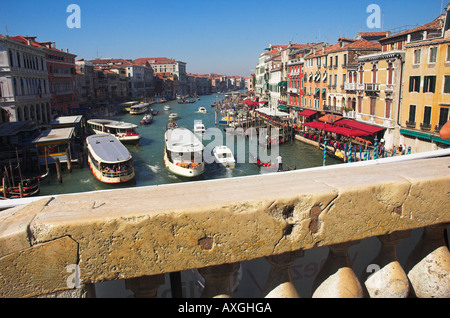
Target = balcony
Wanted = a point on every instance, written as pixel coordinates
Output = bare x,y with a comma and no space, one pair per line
292,90
372,87
410,124
334,109
350,86
44,242
425,126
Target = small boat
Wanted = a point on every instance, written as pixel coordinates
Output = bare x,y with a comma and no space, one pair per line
109,160
224,156
225,120
183,153
202,110
199,127
173,116
139,108
147,120
171,125
154,112
166,107
125,132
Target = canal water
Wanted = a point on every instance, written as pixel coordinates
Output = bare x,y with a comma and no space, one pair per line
150,170
148,155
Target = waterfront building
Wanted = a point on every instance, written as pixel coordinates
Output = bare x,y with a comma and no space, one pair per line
298,81
24,82
85,82
342,61
315,78
426,87
140,82
378,84
62,77
167,65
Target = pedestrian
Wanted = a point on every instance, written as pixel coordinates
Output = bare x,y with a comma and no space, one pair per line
280,163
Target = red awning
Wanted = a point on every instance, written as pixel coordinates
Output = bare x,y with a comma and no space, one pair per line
307,113
346,131
336,129
348,123
330,118
316,124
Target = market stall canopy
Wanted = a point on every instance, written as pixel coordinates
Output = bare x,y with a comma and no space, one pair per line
307,113
336,129
348,123
272,112
330,118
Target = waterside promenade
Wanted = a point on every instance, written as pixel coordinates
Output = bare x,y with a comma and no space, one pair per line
144,234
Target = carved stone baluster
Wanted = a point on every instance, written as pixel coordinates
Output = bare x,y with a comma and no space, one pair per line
145,286
336,279
385,277
279,282
218,280
428,266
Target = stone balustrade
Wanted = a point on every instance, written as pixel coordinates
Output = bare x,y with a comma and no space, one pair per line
63,245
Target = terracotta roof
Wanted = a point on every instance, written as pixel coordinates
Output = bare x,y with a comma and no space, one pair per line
436,24
154,60
367,34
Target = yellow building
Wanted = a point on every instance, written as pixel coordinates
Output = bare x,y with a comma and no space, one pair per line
425,104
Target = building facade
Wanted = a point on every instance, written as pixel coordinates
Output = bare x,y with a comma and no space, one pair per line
426,90
24,83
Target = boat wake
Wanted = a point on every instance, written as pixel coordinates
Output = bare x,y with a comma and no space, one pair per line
154,168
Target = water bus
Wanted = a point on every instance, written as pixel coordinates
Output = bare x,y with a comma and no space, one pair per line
125,132
183,153
109,160
139,108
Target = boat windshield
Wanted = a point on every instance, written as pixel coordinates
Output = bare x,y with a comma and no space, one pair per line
116,169
187,157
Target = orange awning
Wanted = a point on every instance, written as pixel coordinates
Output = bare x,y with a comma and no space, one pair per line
330,118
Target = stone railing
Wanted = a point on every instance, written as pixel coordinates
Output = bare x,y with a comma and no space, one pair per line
49,244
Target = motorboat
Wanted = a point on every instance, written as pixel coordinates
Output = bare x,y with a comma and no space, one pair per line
183,153
166,107
147,119
224,156
202,110
199,127
173,116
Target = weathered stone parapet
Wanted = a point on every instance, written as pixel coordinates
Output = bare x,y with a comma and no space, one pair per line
148,231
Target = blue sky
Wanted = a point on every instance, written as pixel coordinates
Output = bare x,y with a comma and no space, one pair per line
214,36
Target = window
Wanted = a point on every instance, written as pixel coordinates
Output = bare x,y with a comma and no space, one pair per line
373,102
417,56
414,83
336,64
388,108
429,84
448,54
443,116
447,84
427,116
433,54
390,71
412,114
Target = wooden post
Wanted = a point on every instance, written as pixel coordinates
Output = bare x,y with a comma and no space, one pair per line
20,189
58,170
69,160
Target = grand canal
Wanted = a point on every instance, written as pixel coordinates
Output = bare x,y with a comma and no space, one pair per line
148,155
150,170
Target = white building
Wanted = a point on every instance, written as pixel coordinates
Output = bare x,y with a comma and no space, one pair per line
24,84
